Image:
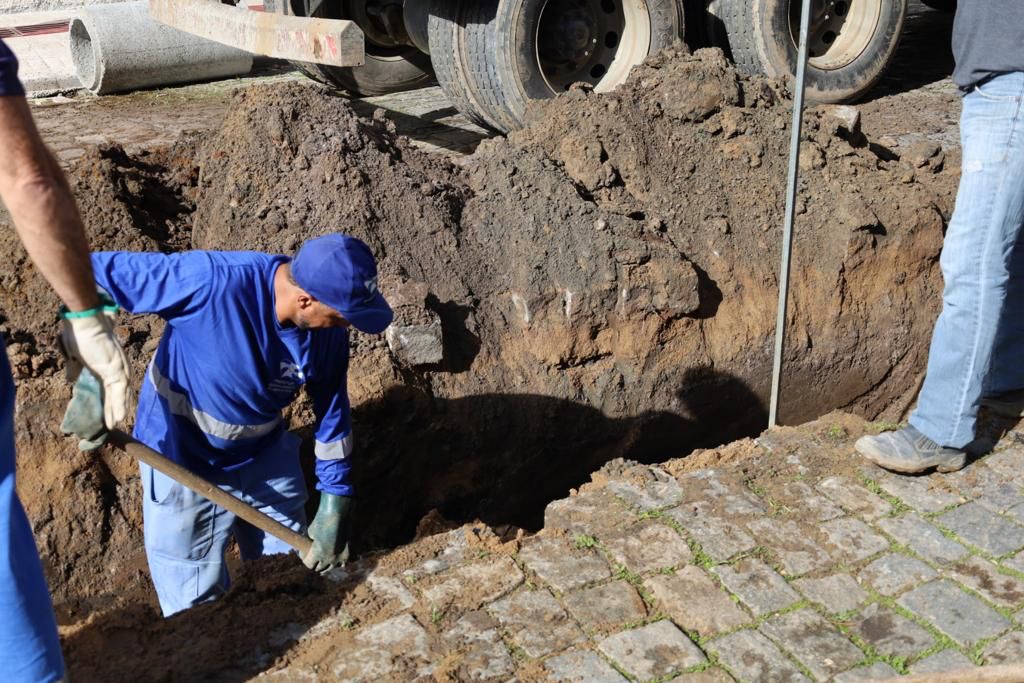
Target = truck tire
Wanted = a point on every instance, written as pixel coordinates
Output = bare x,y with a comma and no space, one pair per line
446,30
851,42
388,68
514,51
941,5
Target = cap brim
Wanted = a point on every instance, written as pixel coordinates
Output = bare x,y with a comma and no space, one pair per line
372,317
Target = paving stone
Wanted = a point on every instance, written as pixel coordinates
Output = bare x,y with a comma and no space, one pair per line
482,654
879,671
1009,462
606,607
473,585
752,658
961,616
660,490
989,488
810,502
390,588
649,548
562,566
706,676
924,494
946,660
653,651
852,540
985,578
582,666
1016,562
594,513
891,633
923,538
695,602
718,538
1016,513
792,544
854,498
726,493
536,622
984,529
893,573
816,643
757,585
392,648
837,593
1007,650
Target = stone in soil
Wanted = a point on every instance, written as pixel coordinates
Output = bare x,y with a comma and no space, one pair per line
726,494
562,566
837,593
989,488
752,658
592,513
653,651
649,548
923,538
983,529
473,585
696,602
1007,650
479,650
536,622
719,538
984,577
792,544
657,489
757,585
946,660
961,616
850,540
581,666
924,494
806,501
891,633
893,573
813,641
395,648
878,671
606,607
854,498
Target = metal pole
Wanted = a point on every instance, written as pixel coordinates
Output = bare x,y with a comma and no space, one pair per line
787,230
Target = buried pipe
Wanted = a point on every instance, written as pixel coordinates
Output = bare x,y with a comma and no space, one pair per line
120,47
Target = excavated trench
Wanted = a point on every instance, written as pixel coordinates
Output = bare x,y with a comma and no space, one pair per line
603,282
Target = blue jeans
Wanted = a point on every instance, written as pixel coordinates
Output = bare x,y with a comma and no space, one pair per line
977,346
186,535
29,647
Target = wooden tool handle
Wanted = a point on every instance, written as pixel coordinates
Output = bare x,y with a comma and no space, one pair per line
144,453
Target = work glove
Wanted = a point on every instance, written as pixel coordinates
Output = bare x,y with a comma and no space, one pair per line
88,341
329,533
84,414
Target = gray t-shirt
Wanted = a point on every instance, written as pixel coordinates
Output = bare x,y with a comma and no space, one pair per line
988,39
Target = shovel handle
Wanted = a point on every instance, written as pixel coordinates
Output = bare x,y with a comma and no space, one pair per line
214,494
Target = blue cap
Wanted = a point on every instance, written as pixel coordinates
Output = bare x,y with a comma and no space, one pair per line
340,272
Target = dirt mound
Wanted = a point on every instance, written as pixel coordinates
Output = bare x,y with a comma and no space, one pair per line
604,283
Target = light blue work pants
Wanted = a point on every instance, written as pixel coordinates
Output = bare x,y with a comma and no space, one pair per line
977,346
29,647
186,535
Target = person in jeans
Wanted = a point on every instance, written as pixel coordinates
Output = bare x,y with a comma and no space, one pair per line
43,211
977,347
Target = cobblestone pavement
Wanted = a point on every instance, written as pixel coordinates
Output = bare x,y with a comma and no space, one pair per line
813,573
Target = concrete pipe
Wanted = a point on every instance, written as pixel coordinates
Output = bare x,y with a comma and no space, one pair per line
120,47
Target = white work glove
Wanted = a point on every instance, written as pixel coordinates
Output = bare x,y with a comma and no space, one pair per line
89,340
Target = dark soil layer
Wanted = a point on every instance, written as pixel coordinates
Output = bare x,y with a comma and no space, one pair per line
605,279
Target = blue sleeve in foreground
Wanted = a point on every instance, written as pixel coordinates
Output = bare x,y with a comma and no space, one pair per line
332,477
143,282
9,83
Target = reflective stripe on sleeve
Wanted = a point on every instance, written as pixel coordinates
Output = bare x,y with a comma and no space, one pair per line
182,407
334,450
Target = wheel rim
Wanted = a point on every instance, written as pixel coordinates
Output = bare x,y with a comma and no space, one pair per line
839,32
591,41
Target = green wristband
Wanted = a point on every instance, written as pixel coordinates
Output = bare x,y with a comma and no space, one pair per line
107,305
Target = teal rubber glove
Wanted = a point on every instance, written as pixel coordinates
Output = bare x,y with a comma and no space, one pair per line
84,414
329,533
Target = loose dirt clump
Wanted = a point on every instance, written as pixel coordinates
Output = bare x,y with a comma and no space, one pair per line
604,281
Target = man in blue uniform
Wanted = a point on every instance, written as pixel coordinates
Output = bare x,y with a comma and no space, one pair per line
244,332
43,211
978,341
